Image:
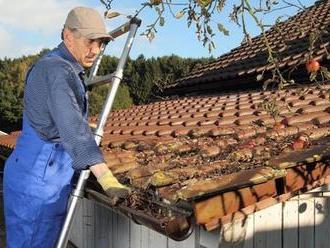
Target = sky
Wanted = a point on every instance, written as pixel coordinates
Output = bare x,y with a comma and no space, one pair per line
26,27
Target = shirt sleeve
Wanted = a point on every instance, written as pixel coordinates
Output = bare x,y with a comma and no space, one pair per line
73,128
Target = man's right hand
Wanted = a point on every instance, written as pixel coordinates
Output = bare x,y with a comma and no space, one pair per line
114,189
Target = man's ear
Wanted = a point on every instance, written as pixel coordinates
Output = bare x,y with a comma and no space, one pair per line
67,36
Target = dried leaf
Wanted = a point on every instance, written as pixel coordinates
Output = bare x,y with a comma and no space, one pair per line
151,35
155,2
267,83
260,77
325,72
179,14
220,5
111,15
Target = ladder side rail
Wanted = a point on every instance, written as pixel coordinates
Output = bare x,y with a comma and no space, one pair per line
117,77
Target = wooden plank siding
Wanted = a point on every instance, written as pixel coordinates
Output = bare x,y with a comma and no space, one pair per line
301,222
290,222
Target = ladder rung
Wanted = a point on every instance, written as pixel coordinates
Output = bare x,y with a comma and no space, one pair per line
120,30
99,80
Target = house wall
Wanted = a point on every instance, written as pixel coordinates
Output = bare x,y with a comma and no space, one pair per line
301,222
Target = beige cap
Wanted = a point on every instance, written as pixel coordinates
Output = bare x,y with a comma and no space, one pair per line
88,22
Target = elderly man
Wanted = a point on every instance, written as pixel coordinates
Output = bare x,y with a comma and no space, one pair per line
56,140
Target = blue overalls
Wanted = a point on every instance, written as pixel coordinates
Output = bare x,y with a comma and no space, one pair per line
38,173
37,184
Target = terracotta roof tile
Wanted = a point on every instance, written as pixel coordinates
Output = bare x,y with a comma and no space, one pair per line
304,117
193,187
219,130
321,119
200,143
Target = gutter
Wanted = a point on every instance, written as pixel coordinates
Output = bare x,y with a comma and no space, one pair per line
177,224
174,225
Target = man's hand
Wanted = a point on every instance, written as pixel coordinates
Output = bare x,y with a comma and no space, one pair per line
114,189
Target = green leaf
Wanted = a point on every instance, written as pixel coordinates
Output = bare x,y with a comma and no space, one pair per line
204,3
222,29
213,45
161,21
209,29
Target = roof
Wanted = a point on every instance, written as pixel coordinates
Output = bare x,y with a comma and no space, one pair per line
7,143
193,152
289,41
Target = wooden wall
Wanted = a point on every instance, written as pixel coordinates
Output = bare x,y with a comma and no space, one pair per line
96,226
301,222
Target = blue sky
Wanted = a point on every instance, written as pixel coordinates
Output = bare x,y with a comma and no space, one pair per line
30,25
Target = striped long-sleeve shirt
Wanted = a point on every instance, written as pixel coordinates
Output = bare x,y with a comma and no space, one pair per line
55,103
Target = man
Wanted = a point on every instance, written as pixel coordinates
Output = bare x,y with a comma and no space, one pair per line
56,139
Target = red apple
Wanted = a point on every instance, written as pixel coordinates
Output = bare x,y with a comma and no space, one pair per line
312,66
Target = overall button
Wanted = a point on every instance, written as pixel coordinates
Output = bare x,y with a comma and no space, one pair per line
57,145
51,163
16,160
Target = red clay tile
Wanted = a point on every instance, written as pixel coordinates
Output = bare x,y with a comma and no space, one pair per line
226,120
304,117
318,108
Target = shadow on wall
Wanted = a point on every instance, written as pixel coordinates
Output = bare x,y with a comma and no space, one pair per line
303,221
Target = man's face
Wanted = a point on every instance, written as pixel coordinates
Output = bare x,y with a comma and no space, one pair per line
84,50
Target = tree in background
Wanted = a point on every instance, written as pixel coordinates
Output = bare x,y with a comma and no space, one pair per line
147,78
143,81
12,75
